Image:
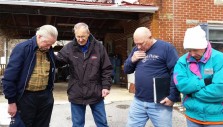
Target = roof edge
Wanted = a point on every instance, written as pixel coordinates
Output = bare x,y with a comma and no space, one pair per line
99,6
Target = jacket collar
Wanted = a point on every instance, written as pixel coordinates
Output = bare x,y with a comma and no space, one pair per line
34,42
193,64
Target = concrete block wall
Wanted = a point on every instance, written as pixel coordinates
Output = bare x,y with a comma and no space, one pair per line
1,44
1,49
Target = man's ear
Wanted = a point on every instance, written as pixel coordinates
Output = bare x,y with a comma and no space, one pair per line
38,39
38,36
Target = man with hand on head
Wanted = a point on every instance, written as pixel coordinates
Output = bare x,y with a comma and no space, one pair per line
151,58
198,75
29,76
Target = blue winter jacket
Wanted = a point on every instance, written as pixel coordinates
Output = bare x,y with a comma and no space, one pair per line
20,67
202,102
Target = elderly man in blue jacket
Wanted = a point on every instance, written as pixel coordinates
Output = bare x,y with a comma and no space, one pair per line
29,76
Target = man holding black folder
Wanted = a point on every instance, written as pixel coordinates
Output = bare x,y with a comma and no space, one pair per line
153,61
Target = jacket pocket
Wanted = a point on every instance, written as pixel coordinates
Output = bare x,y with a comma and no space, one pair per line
74,91
95,90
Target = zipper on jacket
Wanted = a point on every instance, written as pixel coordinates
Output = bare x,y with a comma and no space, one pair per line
26,78
29,72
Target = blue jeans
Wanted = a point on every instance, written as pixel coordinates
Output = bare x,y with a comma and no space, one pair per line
192,124
98,111
140,112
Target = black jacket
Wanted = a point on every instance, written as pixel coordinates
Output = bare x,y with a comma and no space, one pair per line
90,72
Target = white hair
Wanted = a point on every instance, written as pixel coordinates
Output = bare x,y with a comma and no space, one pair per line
81,25
47,30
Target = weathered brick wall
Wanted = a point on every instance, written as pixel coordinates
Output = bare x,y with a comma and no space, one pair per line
148,2
175,16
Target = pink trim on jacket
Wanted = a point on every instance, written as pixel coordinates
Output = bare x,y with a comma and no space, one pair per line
194,67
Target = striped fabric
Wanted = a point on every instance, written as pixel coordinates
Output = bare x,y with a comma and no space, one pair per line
40,75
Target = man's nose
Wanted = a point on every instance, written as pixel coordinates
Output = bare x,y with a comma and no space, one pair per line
80,39
139,46
48,47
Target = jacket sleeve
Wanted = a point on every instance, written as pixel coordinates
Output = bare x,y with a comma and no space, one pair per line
106,69
172,58
62,56
186,83
214,91
129,66
12,74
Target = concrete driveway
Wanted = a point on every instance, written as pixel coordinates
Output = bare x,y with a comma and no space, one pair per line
117,107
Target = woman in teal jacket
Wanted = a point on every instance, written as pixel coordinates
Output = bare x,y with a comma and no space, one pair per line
198,74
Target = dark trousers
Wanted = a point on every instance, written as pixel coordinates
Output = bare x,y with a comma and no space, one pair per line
35,108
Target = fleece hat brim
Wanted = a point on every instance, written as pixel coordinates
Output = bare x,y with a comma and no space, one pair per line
195,38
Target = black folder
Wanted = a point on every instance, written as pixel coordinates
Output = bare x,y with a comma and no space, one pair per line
161,88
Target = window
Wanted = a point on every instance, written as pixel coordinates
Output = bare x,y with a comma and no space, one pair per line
214,35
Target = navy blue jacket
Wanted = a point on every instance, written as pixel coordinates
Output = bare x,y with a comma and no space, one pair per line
20,67
159,62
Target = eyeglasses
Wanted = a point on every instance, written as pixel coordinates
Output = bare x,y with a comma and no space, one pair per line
140,44
143,43
81,37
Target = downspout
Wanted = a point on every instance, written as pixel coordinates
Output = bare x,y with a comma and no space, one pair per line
173,22
6,50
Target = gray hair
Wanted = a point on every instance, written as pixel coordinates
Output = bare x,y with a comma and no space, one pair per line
47,30
81,25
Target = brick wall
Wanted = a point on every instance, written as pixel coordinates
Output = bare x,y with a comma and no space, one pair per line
169,23
175,16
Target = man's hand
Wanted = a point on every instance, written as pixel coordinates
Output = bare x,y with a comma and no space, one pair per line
12,109
167,102
105,92
137,55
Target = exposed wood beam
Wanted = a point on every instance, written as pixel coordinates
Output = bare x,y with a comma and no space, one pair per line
26,36
67,21
66,29
48,19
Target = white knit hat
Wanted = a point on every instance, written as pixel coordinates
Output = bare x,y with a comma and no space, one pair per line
195,38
